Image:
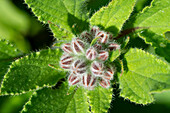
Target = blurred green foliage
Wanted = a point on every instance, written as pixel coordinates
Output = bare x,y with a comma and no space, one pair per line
17,25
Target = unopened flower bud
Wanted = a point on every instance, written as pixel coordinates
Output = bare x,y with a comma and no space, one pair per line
98,46
114,46
86,36
103,55
103,37
89,81
94,30
67,48
79,67
108,73
104,83
78,46
91,53
97,68
73,79
66,61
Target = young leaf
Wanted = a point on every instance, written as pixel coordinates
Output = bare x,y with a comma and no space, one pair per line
65,13
146,74
112,17
59,100
100,99
32,72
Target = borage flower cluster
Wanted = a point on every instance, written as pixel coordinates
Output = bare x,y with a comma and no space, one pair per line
86,59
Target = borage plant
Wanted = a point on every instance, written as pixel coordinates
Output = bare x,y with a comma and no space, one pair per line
95,51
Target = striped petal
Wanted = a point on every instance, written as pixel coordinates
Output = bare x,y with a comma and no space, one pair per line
103,37
103,55
91,53
89,81
78,46
73,79
96,68
79,67
66,61
67,48
104,83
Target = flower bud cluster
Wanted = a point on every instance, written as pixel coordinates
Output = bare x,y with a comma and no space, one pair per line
86,62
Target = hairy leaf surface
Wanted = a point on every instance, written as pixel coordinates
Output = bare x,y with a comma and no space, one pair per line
69,15
100,99
8,52
50,100
156,18
112,17
32,72
146,74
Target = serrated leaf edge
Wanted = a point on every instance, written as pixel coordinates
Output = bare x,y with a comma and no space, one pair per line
23,91
130,98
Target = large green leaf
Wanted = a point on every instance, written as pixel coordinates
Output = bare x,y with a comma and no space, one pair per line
146,74
69,15
32,72
156,17
112,17
100,99
8,52
59,100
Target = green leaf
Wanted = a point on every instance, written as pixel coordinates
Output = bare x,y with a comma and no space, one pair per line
112,17
94,6
100,99
61,34
114,55
8,52
32,72
146,75
156,17
70,15
13,104
59,100
161,45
